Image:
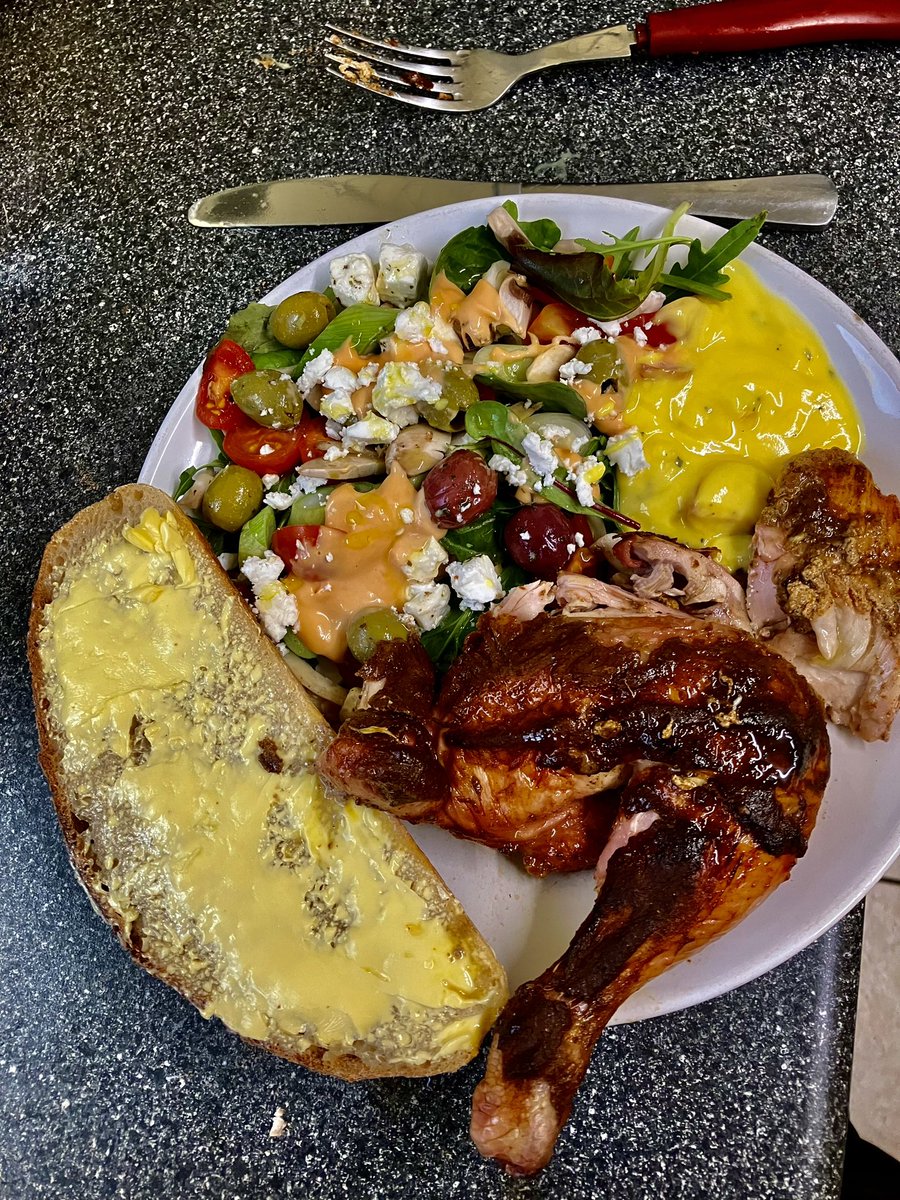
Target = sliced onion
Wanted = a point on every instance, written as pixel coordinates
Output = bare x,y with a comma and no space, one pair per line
314,680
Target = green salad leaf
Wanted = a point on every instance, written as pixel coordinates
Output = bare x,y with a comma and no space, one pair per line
444,643
256,535
363,325
484,535
249,328
543,233
702,274
552,397
296,646
467,256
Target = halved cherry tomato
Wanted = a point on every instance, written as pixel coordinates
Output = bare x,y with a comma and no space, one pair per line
657,334
293,542
265,451
214,406
311,431
556,320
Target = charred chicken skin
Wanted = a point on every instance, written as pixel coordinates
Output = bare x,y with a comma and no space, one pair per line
683,758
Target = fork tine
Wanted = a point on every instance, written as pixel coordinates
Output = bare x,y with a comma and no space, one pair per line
417,98
451,56
433,70
448,88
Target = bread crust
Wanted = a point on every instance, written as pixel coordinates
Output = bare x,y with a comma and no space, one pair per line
69,547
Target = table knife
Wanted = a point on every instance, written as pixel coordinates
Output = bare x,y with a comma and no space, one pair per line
374,199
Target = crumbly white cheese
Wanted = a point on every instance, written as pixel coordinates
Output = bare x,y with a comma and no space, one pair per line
475,582
423,565
570,370
421,324
427,604
402,272
585,475
541,456
626,451
371,431
515,475
260,571
315,371
586,334
353,279
399,388
276,606
269,481
340,379
337,405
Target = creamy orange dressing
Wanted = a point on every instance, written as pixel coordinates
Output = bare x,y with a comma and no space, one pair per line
747,385
358,559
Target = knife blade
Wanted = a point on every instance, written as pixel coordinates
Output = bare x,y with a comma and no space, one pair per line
809,200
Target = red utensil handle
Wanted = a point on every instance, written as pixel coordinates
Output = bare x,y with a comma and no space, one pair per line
766,24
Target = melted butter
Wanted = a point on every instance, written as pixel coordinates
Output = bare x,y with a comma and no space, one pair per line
295,898
358,559
747,385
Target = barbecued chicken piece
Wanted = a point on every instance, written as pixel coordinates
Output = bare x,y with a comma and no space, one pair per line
718,754
825,583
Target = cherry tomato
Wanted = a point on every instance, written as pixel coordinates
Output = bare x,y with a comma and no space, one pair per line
541,538
657,334
311,432
214,405
292,543
556,320
265,451
459,489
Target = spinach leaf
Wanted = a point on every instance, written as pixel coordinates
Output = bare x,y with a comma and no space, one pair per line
702,274
491,419
444,643
256,535
186,478
467,256
552,397
543,234
249,328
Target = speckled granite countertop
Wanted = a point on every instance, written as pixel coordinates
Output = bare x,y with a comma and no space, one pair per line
114,118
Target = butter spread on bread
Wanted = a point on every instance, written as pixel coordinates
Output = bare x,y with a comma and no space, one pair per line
179,748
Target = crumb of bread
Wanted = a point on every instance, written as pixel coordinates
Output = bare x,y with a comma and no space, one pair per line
279,1125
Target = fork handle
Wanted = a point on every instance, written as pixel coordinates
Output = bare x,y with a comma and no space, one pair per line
766,24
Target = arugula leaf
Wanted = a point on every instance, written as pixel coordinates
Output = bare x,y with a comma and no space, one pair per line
363,325
249,328
444,643
467,256
702,274
543,234
552,397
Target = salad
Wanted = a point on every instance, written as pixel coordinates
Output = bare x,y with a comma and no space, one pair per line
395,454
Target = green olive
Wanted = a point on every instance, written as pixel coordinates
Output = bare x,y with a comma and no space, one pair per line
232,498
458,391
300,318
270,398
603,358
372,626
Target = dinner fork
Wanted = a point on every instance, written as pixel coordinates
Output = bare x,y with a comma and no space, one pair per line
466,80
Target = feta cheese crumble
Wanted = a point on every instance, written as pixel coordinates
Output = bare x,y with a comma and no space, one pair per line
276,607
475,582
427,604
515,475
399,388
421,324
626,451
353,279
585,475
423,565
402,272
586,334
315,371
570,370
370,431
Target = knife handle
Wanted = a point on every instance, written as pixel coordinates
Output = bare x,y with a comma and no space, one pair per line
766,24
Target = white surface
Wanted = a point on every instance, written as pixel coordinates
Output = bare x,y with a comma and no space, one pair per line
527,921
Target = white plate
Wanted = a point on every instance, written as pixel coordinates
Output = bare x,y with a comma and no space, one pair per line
529,922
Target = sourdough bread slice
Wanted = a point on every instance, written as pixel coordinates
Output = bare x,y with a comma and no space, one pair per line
179,749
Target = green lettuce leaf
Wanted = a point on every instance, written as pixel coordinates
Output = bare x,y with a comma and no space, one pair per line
444,643
467,256
363,325
543,233
249,328
552,397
